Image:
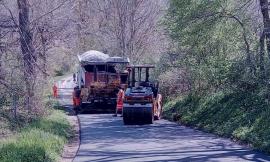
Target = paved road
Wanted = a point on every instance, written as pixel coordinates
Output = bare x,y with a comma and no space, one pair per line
105,138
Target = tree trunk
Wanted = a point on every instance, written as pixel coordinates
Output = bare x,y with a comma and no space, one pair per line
43,56
261,56
29,58
266,23
1,53
82,46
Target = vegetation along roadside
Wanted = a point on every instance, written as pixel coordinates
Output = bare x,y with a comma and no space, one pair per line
41,140
240,116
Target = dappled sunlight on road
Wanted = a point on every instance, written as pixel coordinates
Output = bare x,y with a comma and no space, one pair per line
105,138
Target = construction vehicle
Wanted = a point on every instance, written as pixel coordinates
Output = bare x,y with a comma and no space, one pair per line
142,103
98,80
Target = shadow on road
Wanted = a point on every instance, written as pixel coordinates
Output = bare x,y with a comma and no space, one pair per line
106,139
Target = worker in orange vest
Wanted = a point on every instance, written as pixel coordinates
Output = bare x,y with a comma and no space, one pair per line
120,101
76,97
55,95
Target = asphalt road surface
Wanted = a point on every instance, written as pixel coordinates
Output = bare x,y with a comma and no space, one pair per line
105,138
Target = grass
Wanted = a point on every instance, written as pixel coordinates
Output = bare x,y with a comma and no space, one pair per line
42,140
242,116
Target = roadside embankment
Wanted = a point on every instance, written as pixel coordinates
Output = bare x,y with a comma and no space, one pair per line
241,116
41,140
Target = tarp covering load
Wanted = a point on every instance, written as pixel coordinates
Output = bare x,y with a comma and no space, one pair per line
94,57
116,59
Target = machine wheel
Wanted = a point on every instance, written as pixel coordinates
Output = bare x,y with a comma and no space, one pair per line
126,121
138,116
149,117
126,118
149,120
76,110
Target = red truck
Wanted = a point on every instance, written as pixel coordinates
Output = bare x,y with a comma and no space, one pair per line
99,77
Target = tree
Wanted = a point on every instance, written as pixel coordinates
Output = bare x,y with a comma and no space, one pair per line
25,41
213,37
120,27
266,22
28,52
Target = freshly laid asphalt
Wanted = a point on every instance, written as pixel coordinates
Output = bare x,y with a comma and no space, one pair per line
105,138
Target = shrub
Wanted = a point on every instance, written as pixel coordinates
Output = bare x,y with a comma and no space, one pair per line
41,141
34,145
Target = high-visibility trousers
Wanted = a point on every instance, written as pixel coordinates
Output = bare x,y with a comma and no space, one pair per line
55,94
76,101
119,105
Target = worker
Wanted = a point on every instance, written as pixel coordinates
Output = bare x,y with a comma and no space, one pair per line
55,95
76,99
120,101
74,77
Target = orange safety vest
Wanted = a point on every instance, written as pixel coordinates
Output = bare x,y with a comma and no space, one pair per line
55,91
120,99
76,100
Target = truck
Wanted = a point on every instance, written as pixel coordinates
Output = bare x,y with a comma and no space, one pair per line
98,80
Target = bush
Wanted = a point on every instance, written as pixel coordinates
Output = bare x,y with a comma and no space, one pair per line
35,145
43,140
59,73
242,116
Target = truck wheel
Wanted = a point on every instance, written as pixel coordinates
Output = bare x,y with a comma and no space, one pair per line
127,117
77,110
126,120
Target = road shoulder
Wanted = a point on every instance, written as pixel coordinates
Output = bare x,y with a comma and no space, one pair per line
71,148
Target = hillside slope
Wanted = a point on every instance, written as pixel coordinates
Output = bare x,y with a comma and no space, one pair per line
242,116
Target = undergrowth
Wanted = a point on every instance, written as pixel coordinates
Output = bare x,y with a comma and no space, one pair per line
42,140
240,115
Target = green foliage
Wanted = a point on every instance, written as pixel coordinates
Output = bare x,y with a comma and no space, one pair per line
186,19
218,48
210,39
240,115
59,72
34,145
42,140
55,124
